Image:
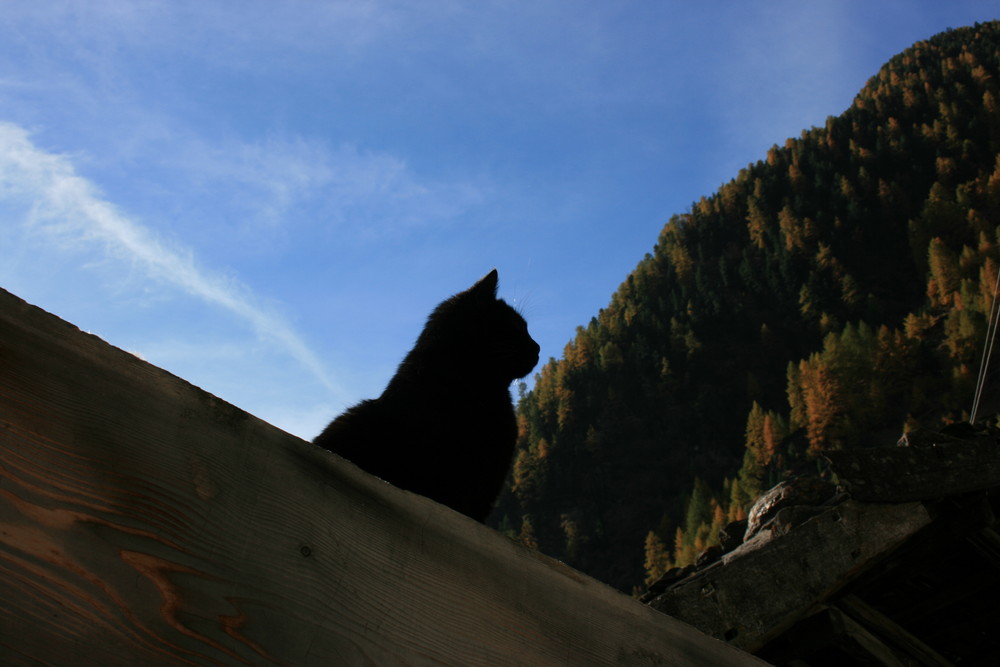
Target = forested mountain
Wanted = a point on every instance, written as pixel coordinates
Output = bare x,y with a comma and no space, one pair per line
827,296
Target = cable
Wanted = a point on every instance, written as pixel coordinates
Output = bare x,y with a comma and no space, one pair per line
987,351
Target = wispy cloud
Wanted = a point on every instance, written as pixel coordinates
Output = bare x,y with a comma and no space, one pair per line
365,195
69,209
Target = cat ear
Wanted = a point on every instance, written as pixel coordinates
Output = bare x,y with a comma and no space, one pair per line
487,285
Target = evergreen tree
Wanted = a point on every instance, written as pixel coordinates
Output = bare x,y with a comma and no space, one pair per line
837,288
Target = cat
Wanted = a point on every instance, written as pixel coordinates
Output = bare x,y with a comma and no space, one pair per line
445,427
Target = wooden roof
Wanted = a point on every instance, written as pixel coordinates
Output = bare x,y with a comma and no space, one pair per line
901,568
146,522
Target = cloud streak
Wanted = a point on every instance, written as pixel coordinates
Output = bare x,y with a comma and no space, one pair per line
369,193
69,209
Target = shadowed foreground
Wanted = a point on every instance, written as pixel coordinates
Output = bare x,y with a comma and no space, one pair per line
144,521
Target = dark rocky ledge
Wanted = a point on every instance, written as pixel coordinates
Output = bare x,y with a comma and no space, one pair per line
892,560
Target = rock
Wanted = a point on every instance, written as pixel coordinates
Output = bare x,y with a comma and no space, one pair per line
763,588
789,517
964,430
731,535
923,438
808,491
709,555
955,432
669,578
946,467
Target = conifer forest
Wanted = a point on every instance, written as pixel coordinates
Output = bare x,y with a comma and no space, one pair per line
832,295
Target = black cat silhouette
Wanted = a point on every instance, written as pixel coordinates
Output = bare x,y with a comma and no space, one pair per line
444,427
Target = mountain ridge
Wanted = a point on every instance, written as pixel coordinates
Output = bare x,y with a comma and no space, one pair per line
838,287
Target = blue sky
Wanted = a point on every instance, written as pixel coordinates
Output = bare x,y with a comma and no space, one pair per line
267,199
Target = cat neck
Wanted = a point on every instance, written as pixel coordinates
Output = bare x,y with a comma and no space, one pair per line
420,376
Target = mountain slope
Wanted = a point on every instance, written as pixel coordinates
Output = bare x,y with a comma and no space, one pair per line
839,287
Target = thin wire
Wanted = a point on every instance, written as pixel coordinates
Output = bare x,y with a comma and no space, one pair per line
981,380
987,351
988,343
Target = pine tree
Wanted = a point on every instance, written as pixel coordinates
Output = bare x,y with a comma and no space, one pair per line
837,288
657,558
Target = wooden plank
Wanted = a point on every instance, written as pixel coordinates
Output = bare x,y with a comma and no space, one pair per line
797,571
833,637
904,474
861,643
144,521
986,542
886,628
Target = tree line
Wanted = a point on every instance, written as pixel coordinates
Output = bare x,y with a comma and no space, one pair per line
831,295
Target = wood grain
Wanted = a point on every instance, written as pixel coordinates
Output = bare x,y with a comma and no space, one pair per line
144,521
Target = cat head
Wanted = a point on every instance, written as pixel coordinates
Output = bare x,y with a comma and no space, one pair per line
475,330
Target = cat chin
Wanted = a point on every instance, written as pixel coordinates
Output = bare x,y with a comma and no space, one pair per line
523,374
518,371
